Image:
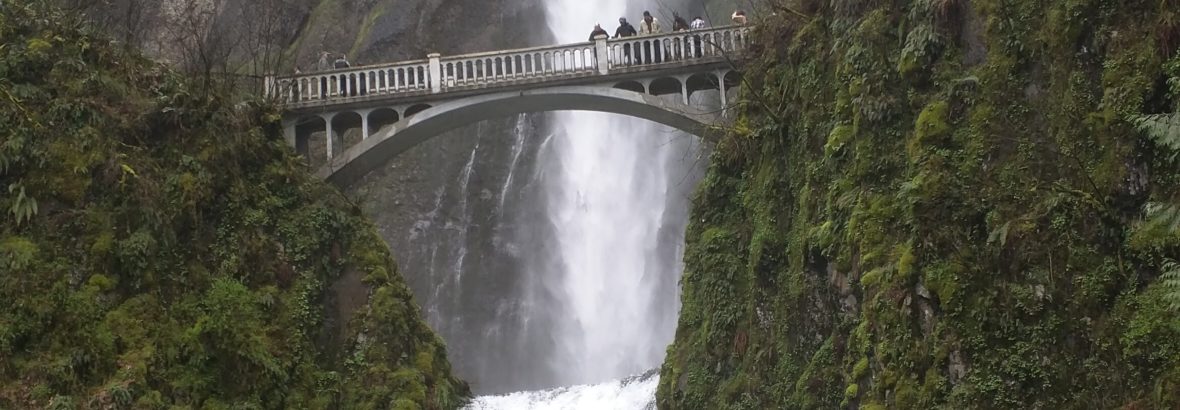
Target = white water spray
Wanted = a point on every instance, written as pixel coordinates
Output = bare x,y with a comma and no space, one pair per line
608,208
614,190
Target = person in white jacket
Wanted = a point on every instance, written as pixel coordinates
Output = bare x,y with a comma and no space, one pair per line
652,53
650,25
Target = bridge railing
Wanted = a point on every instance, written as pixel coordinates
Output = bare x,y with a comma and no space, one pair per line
678,47
438,74
338,85
490,68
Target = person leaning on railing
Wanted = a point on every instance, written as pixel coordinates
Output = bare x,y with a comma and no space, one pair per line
626,30
698,23
650,26
597,32
679,24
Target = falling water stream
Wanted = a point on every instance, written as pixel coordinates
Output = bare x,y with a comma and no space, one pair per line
615,191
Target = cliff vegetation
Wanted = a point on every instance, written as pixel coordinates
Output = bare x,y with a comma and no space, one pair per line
942,204
162,248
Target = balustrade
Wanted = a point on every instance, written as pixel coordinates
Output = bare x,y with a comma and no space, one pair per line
490,68
355,82
507,67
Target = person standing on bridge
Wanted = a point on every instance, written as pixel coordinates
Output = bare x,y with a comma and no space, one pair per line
679,44
626,30
341,62
598,31
739,17
325,62
698,23
649,26
678,23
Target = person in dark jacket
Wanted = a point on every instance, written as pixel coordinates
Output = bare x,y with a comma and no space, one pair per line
598,31
679,49
679,23
626,30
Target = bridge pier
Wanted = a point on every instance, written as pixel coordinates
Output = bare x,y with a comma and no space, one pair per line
328,133
724,97
289,132
365,123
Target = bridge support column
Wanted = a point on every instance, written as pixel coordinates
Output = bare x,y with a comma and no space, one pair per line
289,131
268,85
328,134
724,98
365,124
602,54
435,72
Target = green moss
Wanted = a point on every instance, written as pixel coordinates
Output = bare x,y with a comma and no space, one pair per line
18,252
861,368
840,135
931,124
851,392
367,27
948,198
171,251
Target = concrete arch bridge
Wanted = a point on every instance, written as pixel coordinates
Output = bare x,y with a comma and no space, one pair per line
399,105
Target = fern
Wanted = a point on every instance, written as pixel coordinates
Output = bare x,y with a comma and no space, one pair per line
1162,217
23,207
1163,128
1171,283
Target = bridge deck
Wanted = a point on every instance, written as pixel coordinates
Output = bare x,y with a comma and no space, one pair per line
438,77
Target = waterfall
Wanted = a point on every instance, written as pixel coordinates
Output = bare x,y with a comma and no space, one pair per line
545,249
608,204
614,191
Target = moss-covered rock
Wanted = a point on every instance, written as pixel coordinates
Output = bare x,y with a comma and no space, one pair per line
938,204
161,247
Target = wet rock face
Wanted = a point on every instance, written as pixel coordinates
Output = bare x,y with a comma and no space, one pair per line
372,31
368,31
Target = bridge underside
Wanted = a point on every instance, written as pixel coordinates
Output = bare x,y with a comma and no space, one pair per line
388,130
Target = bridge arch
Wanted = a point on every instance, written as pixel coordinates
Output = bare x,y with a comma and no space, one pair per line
664,86
414,109
380,118
342,123
392,140
304,127
634,86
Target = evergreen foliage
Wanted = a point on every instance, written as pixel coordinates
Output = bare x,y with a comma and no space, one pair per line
941,204
161,247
